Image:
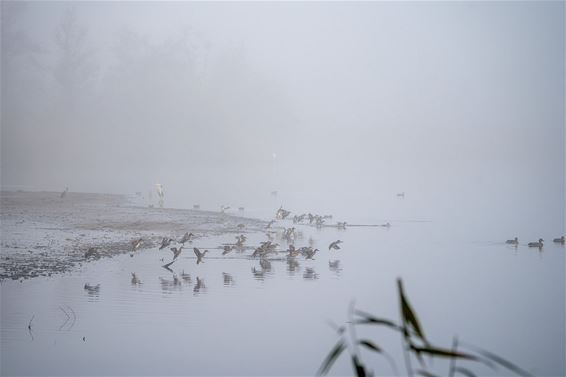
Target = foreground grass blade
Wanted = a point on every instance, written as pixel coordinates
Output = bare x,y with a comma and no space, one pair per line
368,344
331,358
440,352
501,361
375,348
358,367
409,316
370,319
464,371
425,373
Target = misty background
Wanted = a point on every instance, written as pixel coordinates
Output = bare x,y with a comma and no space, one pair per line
459,104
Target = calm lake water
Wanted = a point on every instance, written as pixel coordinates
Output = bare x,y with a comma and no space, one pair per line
232,315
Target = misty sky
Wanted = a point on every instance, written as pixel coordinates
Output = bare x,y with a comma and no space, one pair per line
351,97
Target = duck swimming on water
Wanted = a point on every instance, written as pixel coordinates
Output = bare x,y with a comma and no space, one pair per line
559,240
514,241
537,244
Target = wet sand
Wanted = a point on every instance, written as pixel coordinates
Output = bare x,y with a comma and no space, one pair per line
43,234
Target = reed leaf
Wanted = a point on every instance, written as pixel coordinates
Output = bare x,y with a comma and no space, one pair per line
370,345
331,358
408,314
370,319
425,373
464,371
501,361
440,352
358,367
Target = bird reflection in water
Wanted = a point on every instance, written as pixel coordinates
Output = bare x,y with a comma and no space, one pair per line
292,266
263,271
334,266
310,274
186,277
168,285
228,279
199,287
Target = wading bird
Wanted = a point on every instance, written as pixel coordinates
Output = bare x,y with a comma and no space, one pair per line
135,279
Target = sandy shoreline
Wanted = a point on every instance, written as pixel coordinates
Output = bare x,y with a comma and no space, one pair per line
42,234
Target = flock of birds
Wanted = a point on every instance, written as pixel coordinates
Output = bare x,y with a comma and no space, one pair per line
265,251
539,244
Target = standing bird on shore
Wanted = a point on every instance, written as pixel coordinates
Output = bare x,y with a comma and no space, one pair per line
559,240
537,244
199,254
136,245
176,252
186,237
334,245
514,241
165,242
64,193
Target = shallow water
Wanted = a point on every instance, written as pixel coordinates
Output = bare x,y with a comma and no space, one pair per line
233,315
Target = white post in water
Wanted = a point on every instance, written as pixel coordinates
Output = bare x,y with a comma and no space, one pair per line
274,192
160,194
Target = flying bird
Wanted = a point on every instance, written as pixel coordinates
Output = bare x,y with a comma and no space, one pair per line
165,242
199,254
334,245
186,237
176,252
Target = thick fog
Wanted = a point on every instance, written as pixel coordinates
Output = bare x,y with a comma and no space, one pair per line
226,102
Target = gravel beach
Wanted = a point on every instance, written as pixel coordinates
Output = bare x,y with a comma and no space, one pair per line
42,233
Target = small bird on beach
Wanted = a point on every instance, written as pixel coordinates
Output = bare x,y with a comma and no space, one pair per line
514,241
559,240
136,244
186,237
334,245
92,253
536,244
165,242
199,254
176,252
